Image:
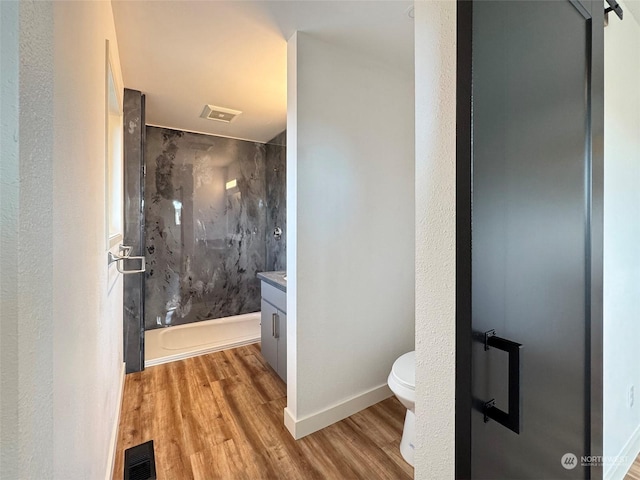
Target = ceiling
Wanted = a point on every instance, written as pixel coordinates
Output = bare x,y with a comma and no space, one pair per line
185,54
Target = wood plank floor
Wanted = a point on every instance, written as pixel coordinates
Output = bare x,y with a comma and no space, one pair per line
634,471
220,416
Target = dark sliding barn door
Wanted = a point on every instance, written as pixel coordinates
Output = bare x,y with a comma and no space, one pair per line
535,181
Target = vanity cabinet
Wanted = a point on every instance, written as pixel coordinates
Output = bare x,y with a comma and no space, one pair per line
274,328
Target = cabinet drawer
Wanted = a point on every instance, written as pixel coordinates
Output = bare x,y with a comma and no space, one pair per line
274,296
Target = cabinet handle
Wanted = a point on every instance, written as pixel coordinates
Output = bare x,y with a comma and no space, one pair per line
273,325
276,325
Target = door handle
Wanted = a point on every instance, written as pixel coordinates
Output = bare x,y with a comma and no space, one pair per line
513,418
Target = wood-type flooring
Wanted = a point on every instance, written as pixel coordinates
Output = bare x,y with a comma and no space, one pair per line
220,416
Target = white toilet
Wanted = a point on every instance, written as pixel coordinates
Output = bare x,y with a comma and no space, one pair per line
402,382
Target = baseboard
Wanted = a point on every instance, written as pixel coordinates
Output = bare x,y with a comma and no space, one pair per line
625,458
113,444
312,423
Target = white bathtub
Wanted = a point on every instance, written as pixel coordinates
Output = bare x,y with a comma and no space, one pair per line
164,345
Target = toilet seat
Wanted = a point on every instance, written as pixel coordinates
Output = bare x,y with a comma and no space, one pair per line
404,370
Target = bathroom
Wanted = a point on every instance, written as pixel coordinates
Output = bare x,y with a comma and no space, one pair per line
318,190
378,210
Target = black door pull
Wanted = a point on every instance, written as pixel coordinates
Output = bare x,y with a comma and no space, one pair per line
513,418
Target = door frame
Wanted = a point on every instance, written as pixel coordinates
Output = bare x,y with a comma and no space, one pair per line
593,11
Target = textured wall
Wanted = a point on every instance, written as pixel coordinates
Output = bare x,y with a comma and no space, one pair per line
9,238
26,253
65,325
276,177
621,233
435,51
204,242
36,253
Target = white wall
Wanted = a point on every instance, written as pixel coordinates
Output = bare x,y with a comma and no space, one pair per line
87,307
11,272
350,184
9,193
26,253
435,51
621,241
65,369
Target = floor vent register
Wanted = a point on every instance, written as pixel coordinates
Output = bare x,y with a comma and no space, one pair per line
140,462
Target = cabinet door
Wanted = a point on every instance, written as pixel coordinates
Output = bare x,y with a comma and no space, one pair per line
282,345
269,343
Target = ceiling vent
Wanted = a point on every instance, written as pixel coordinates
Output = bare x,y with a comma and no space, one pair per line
219,114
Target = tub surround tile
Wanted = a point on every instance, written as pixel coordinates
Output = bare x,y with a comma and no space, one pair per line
276,178
206,226
274,278
133,234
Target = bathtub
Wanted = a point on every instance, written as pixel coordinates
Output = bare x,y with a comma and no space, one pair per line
165,345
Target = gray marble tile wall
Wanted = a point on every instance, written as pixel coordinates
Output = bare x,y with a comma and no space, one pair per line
276,178
133,234
206,203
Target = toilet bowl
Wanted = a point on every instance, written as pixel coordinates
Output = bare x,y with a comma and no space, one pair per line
402,382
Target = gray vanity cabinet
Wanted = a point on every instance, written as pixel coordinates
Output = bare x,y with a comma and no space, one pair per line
274,329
